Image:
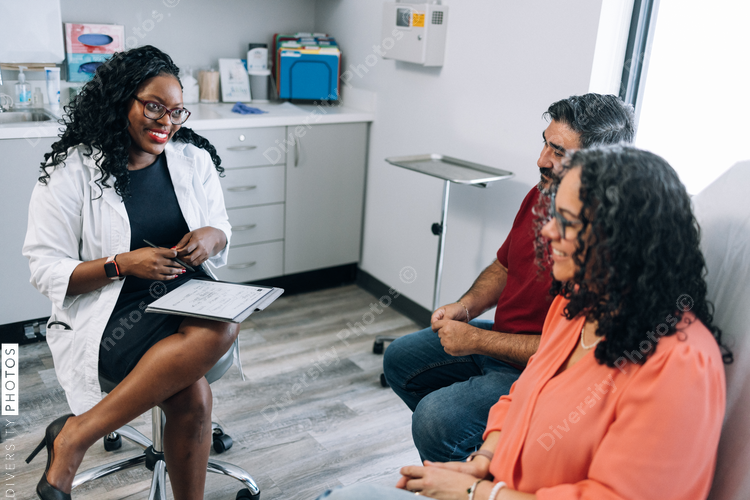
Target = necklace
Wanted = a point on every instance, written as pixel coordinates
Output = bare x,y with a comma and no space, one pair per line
587,347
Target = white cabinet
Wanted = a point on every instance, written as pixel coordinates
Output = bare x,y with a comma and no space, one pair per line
248,186
324,197
296,208
254,196
19,301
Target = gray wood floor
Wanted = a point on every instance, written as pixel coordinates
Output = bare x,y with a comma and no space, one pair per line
311,414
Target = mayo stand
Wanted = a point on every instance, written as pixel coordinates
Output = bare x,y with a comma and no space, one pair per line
450,170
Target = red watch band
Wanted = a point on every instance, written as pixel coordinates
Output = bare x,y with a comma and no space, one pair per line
111,265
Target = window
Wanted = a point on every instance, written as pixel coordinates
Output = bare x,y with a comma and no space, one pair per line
693,101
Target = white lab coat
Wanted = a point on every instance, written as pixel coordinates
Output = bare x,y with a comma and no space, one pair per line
72,220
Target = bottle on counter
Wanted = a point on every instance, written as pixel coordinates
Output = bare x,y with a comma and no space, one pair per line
189,87
37,100
53,85
23,89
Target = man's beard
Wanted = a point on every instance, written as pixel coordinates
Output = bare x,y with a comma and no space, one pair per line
546,182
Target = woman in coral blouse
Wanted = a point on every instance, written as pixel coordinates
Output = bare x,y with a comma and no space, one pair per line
625,397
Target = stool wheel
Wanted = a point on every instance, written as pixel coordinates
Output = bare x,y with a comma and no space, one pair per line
245,494
377,347
112,442
383,381
222,442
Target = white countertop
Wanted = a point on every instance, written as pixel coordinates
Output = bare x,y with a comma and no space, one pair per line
220,116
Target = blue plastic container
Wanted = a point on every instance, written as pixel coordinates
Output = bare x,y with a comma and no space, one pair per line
308,76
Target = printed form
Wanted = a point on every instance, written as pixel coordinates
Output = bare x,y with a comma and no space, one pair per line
210,299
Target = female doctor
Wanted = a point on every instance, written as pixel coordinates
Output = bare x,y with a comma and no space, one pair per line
125,171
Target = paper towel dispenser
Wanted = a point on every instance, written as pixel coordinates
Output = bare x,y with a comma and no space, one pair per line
415,32
31,32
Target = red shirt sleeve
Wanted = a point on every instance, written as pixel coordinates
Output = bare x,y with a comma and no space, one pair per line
520,222
502,253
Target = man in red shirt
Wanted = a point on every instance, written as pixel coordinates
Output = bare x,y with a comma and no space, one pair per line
450,374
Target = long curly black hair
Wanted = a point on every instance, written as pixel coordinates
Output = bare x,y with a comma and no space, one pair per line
97,118
639,264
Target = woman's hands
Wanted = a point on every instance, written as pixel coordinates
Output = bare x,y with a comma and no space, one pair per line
150,263
445,483
448,480
479,467
197,246
157,263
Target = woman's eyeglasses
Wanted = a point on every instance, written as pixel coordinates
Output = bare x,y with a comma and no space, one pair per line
562,223
155,111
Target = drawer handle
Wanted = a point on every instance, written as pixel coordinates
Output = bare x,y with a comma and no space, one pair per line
238,189
242,148
244,228
243,266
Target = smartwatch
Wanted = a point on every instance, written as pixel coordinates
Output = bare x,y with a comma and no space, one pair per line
112,270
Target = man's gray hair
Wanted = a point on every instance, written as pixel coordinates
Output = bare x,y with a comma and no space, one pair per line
599,119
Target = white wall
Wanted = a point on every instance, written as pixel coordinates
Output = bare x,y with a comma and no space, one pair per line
505,62
196,32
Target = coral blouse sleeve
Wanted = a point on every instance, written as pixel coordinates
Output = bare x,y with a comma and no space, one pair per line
498,412
662,442
500,409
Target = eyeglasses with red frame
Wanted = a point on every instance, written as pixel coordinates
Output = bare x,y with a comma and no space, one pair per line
155,111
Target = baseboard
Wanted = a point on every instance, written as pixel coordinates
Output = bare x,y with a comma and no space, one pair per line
420,315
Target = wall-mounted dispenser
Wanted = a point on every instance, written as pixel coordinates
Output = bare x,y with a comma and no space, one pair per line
415,32
31,32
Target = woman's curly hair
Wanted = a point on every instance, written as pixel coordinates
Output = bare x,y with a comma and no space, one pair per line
97,118
639,267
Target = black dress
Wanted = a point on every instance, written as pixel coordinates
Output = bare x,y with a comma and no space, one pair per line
155,216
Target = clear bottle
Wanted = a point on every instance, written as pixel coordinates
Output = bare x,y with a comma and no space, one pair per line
190,93
23,89
37,100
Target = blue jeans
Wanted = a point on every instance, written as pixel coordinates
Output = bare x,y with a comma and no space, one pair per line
367,492
450,396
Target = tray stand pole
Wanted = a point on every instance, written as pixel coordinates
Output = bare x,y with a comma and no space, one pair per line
441,246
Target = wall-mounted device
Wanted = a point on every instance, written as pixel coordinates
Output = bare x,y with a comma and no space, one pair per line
415,32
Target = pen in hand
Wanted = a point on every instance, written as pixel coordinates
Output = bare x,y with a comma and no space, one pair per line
175,259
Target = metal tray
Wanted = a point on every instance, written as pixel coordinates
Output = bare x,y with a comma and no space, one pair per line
451,169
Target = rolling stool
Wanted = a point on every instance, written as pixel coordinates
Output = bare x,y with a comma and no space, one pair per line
153,454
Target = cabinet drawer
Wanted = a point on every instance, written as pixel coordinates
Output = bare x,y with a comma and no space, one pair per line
253,262
245,147
256,224
244,187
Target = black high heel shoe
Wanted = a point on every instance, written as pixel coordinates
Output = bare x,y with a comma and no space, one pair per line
44,490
